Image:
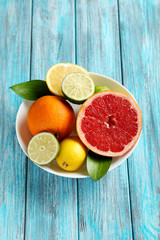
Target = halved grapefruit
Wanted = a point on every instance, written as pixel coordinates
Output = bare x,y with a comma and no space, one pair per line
109,123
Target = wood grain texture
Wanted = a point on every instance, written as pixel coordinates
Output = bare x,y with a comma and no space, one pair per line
51,211
15,27
125,204
140,35
104,207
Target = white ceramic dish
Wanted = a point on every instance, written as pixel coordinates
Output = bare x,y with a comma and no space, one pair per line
24,135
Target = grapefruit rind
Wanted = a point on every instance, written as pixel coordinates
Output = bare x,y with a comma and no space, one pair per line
81,114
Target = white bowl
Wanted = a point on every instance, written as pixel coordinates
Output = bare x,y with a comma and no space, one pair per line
24,135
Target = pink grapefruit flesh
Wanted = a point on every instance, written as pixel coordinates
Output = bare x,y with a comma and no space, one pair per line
109,123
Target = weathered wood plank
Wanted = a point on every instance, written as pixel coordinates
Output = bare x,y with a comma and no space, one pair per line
15,28
140,34
104,208
51,201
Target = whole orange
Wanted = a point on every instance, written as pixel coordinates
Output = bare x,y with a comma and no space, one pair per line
51,114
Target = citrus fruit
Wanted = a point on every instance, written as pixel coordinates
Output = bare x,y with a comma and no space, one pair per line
72,154
101,88
109,123
51,114
77,87
43,148
58,72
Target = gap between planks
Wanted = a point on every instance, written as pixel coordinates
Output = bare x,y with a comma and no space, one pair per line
121,61
26,180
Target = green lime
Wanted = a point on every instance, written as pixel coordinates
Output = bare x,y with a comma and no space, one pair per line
43,148
77,87
101,88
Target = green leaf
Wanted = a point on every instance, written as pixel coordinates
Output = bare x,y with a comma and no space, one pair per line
31,90
97,165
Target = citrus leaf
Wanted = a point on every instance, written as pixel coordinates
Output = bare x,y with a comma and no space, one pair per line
31,90
97,165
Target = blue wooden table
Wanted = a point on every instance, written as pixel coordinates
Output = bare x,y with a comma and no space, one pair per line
117,38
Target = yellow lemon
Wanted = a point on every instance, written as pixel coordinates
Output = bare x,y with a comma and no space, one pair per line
72,154
58,72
